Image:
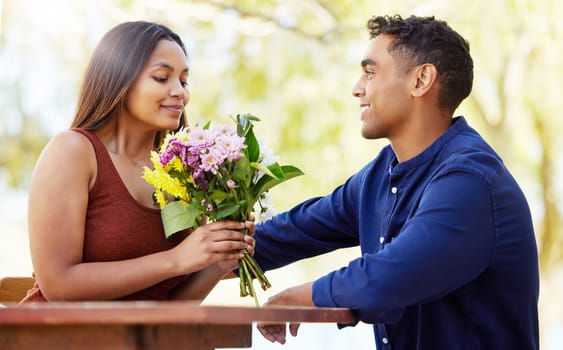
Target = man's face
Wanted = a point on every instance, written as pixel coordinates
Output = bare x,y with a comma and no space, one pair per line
383,90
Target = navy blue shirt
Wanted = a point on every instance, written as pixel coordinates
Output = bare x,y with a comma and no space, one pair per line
449,258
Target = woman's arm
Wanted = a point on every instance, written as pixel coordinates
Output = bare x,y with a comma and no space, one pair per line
58,202
197,285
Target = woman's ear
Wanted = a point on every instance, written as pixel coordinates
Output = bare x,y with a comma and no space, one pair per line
426,76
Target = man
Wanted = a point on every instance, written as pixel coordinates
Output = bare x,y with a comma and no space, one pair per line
449,259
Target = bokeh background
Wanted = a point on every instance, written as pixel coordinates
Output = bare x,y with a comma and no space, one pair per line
293,63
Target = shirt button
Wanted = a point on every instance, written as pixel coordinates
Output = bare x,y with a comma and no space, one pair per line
394,190
385,341
381,239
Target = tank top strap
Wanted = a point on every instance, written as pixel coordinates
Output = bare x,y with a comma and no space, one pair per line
102,154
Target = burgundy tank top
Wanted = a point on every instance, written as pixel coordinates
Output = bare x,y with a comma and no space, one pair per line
118,227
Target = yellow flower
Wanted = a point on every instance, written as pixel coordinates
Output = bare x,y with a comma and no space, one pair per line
182,135
160,198
176,164
155,160
164,182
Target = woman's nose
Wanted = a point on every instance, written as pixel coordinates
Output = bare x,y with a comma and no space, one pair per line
178,90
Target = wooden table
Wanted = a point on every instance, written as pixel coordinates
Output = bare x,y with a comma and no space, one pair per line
144,325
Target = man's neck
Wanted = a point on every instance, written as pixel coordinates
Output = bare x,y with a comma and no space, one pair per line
419,135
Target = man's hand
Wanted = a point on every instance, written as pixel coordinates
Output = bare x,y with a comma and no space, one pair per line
277,332
299,296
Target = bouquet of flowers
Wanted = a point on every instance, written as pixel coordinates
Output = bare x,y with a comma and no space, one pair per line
215,172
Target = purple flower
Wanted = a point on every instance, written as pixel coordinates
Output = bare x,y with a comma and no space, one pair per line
231,183
168,154
232,146
224,130
211,160
207,205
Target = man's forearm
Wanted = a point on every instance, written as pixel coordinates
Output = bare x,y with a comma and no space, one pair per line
301,295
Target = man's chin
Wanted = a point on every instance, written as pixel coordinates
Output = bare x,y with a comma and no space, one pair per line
369,134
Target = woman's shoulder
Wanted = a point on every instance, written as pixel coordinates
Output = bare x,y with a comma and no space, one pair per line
71,142
68,148
71,137
67,159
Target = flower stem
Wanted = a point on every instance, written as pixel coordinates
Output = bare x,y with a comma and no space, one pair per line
257,271
249,269
253,292
244,277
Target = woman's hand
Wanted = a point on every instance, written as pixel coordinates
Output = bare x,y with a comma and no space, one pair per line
229,265
198,284
218,242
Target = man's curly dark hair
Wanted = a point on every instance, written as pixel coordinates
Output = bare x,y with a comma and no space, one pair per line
419,40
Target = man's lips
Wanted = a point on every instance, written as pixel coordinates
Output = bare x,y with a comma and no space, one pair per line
363,108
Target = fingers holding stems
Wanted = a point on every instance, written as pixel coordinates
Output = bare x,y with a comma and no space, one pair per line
214,242
227,243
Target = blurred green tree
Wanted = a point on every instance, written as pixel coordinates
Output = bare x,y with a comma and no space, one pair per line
293,63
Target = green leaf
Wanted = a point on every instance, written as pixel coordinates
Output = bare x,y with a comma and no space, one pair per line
245,129
244,123
226,210
250,117
177,216
277,170
252,145
242,173
266,182
218,195
273,170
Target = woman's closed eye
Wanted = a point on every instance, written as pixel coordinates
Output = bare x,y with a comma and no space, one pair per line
165,79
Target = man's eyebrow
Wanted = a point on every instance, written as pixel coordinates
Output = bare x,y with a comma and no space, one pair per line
368,62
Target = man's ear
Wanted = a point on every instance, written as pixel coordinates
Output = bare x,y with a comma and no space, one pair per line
425,75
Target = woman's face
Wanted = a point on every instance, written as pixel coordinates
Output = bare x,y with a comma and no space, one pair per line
160,92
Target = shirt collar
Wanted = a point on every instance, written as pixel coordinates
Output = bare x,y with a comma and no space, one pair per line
459,124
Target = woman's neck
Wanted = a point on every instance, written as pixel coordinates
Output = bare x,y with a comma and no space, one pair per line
127,141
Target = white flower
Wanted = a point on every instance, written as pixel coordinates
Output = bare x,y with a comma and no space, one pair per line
267,156
264,207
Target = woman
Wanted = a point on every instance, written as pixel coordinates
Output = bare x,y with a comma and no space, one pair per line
95,232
